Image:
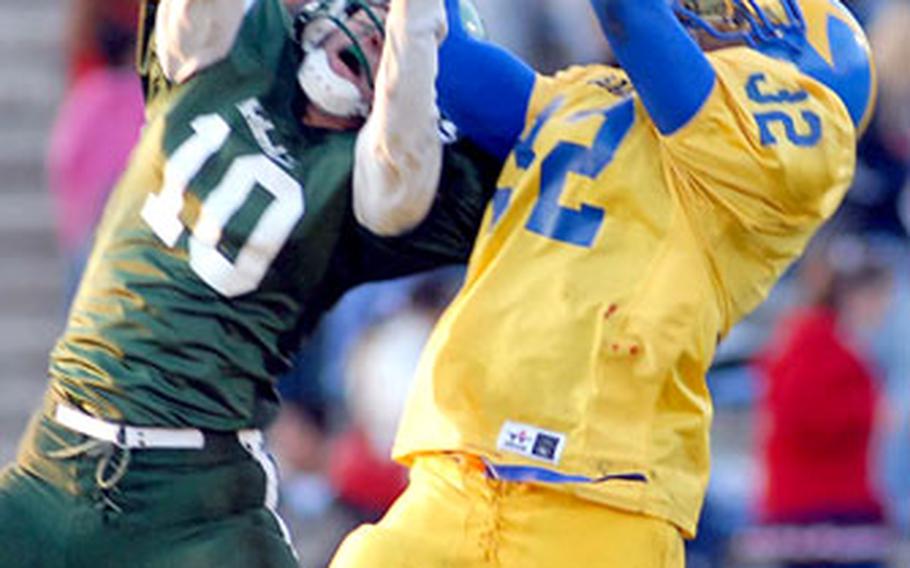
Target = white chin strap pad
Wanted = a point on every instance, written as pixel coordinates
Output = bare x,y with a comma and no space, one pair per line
332,93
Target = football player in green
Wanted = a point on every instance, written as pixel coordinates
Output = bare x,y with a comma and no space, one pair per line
250,205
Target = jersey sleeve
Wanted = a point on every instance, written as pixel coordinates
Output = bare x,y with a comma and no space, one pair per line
670,71
177,39
771,145
483,89
765,161
192,35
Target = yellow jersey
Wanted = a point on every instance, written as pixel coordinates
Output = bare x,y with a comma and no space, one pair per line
611,261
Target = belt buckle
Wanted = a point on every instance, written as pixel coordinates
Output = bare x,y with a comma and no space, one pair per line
120,440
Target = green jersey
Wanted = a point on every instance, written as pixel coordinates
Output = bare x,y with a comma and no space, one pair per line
229,235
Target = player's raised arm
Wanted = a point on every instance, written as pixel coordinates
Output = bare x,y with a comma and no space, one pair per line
399,149
190,35
483,89
671,74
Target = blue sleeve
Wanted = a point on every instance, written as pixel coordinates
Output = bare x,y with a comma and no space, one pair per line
482,88
669,70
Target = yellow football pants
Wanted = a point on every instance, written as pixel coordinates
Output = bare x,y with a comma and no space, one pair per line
453,515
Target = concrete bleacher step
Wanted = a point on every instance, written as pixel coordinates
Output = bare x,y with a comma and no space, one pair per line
31,316
24,145
26,209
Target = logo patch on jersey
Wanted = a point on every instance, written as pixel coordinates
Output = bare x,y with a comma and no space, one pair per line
615,84
262,127
531,442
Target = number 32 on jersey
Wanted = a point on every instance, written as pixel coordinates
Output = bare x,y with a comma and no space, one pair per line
161,211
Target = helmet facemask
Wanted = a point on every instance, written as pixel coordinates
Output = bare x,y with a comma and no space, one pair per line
757,23
331,92
820,37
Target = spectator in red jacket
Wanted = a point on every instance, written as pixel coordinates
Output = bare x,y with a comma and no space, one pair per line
99,31
819,402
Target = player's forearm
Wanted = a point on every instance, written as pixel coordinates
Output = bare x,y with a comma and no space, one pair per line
190,35
399,151
671,74
483,89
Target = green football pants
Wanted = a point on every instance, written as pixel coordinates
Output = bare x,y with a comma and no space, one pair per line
72,502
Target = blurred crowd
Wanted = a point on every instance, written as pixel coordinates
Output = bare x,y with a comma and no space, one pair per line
821,371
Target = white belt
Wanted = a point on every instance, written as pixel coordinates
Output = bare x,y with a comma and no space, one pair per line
132,437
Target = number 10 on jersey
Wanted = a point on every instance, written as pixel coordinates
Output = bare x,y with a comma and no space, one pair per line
162,211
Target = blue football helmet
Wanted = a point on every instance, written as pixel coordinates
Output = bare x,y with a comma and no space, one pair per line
821,37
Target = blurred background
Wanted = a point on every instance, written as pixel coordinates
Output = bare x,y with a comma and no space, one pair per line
811,440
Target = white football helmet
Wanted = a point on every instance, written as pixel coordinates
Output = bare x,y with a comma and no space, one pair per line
327,89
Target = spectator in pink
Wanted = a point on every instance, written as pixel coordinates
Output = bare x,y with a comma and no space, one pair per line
97,125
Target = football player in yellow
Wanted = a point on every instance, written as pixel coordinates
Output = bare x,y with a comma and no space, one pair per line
560,416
